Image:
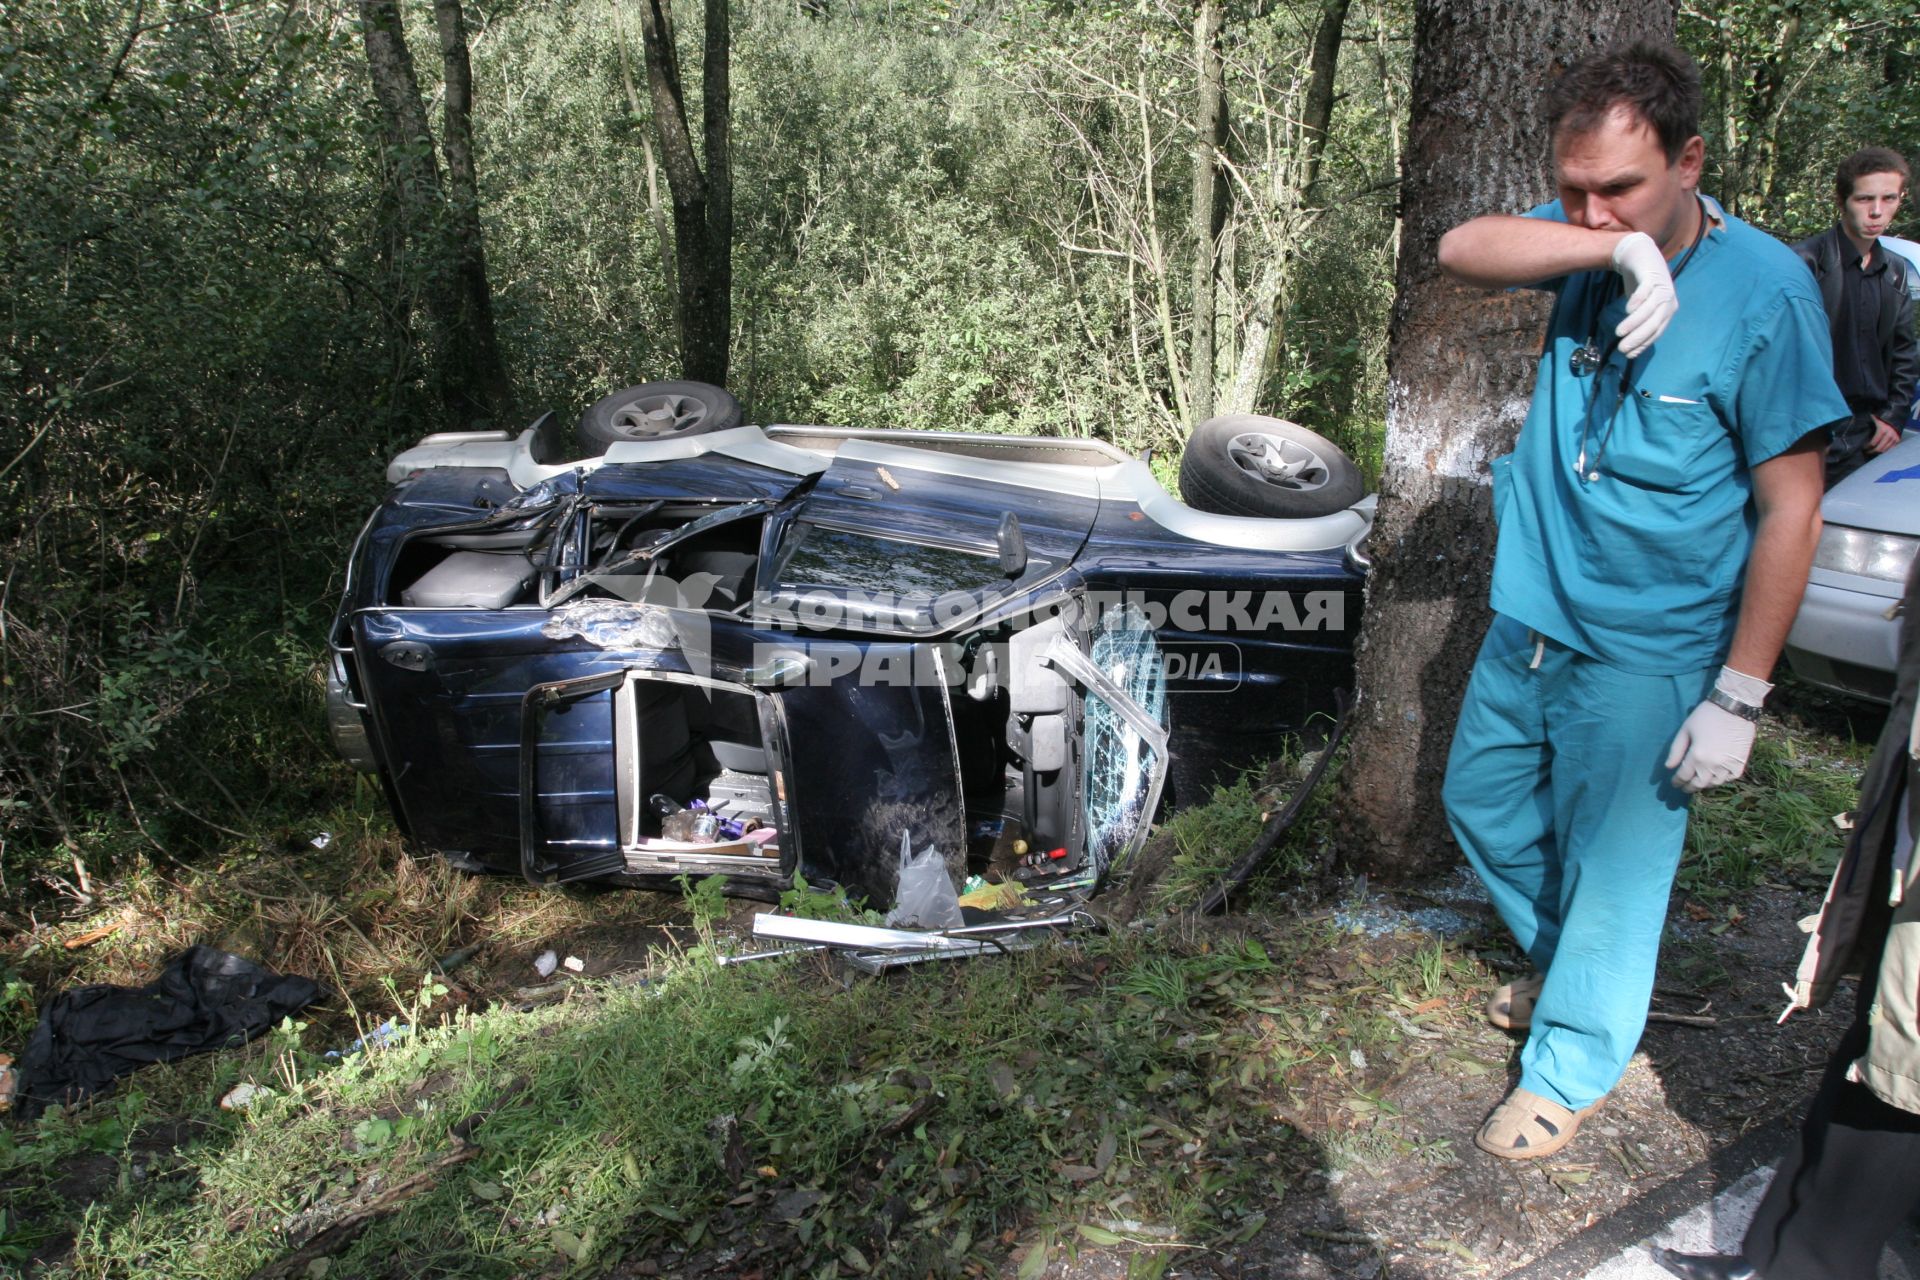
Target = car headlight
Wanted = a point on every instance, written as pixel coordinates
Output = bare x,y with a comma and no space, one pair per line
1864,553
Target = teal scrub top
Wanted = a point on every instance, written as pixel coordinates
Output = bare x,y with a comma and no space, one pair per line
1636,558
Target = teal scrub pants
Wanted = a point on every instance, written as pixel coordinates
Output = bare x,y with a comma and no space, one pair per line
1557,789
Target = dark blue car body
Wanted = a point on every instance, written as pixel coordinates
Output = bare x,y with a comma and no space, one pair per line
843,635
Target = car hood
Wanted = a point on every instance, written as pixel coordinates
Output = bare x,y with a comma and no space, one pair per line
1884,495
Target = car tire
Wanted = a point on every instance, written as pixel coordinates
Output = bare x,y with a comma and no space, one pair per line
1245,464
658,411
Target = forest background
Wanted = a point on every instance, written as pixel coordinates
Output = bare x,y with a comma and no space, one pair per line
224,309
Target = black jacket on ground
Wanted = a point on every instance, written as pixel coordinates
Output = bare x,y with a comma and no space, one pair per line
1822,253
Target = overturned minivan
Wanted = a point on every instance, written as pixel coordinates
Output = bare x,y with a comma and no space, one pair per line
818,640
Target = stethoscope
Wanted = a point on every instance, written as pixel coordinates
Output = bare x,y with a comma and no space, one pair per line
1589,357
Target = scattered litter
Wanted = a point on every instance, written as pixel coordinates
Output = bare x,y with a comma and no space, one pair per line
574,964
774,952
546,963
993,897
1358,1059
1412,1028
242,1096
9,1080
92,936
924,897
454,959
203,1000
322,840
876,949
378,1038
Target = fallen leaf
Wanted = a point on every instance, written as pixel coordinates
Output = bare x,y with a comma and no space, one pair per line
1035,1262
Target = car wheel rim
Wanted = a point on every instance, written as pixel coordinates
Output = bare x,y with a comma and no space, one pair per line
1280,463
651,417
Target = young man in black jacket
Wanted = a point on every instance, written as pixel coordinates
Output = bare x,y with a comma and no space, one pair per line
1864,289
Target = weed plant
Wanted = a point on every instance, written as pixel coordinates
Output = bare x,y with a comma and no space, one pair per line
1211,837
1776,822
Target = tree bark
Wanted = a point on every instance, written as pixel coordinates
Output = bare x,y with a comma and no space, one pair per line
479,373
395,87
437,247
702,201
656,211
1209,200
1265,337
1316,116
1460,370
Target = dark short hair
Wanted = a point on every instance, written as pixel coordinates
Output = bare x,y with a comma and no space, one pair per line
1655,80
1865,161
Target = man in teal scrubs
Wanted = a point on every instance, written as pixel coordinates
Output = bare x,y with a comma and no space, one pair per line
1657,518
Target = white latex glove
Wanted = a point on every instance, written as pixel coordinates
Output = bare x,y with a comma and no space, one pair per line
1651,300
1713,744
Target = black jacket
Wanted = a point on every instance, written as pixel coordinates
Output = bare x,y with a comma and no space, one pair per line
1821,253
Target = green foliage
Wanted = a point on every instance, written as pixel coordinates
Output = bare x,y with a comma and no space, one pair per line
706,900
803,900
1775,823
958,219
645,1121
1792,90
193,387
1208,838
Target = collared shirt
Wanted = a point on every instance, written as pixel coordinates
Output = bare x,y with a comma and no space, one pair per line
1859,362
1642,566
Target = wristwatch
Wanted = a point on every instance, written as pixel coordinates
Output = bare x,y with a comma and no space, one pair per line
1727,702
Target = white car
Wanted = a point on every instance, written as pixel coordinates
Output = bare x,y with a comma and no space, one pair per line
1844,639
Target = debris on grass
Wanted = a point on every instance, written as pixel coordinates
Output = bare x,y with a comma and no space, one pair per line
242,1096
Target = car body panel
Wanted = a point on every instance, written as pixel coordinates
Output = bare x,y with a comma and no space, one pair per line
1845,637
875,634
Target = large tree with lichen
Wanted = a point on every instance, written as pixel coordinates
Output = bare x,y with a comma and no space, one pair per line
1459,371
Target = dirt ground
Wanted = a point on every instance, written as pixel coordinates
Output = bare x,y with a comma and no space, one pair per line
1405,1194
1398,1190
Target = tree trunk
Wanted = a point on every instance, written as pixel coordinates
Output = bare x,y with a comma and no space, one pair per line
1316,117
414,198
1209,200
1460,369
478,375
437,247
1265,337
717,121
702,201
656,211
397,90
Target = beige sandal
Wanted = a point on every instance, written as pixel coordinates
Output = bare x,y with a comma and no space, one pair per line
1510,1008
1526,1126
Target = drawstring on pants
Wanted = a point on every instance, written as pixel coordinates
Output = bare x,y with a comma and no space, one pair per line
1539,649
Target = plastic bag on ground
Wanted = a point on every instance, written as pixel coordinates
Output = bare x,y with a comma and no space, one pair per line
924,897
